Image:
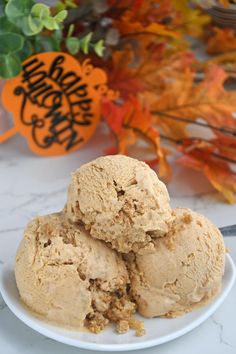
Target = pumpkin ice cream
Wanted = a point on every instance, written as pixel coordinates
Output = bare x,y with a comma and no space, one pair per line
70,278
117,247
184,271
121,201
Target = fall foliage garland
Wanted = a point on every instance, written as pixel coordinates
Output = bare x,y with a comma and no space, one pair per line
163,87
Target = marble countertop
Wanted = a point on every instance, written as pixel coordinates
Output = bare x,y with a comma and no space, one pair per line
31,185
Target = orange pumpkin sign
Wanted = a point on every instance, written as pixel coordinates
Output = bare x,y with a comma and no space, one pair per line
55,102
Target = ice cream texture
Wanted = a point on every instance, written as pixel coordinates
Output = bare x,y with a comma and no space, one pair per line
184,271
121,201
116,248
70,278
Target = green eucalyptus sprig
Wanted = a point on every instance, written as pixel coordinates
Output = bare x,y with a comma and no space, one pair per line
75,44
27,27
20,23
33,18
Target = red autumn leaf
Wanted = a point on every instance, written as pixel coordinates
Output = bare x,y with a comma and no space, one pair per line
114,115
122,77
226,146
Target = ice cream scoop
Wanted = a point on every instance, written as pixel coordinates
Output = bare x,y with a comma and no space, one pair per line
183,272
70,278
121,201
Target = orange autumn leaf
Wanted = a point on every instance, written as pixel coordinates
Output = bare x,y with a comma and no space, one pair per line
130,121
162,18
220,147
218,105
159,69
171,102
123,4
156,28
144,12
183,102
155,68
207,100
217,172
153,29
140,14
222,40
226,146
141,122
224,2
128,25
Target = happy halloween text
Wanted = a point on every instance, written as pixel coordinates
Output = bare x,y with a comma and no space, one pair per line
37,89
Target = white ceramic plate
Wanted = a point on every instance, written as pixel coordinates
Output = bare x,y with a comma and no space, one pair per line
158,330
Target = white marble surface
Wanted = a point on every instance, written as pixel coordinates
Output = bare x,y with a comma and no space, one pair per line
31,185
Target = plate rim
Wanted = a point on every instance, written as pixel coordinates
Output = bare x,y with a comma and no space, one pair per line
29,320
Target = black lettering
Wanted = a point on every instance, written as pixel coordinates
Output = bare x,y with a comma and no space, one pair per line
69,80
86,119
56,70
68,87
73,141
52,99
80,91
45,87
84,105
27,72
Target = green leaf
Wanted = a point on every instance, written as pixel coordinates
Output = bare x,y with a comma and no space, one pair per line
10,66
60,16
73,45
99,48
56,38
85,41
40,11
50,24
57,35
26,27
68,4
31,26
71,30
7,26
60,6
10,43
18,8
26,51
35,24
2,6
46,44
39,44
71,4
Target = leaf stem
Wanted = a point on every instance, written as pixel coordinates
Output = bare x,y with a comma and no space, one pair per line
181,141
202,124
